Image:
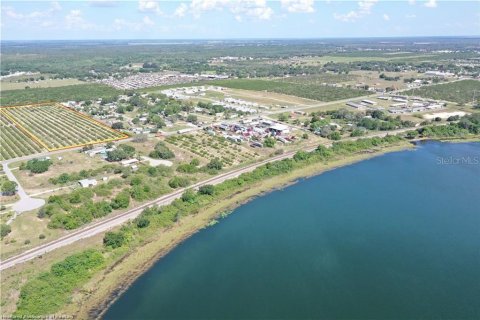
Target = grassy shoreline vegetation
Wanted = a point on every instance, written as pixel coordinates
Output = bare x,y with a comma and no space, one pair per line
131,249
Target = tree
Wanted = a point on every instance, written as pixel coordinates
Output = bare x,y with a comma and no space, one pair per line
9,188
37,165
177,182
121,201
283,117
301,155
161,151
117,125
207,189
335,136
116,155
114,239
142,222
192,118
5,229
215,164
195,162
269,142
189,196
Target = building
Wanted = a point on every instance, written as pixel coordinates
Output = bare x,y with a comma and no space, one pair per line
370,102
355,105
85,183
128,162
279,128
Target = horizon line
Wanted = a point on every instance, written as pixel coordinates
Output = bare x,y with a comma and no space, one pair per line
247,38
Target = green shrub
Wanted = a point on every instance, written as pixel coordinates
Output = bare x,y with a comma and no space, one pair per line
49,291
114,239
178,182
5,229
207,189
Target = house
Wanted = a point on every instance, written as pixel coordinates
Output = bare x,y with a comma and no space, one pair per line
85,183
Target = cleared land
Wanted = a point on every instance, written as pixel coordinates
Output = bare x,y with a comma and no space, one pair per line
305,90
49,126
48,83
74,92
460,91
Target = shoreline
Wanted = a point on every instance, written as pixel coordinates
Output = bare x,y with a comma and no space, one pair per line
117,278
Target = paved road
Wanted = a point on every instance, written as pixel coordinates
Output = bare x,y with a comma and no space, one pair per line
26,203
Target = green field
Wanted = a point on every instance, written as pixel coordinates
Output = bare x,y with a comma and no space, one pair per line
305,90
74,92
460,92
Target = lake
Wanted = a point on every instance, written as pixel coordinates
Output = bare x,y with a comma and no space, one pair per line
393,237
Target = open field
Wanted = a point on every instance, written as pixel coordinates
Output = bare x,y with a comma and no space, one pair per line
78,92
304,90
268,98
52,127
26,230
48,83
464,91
210,147
69,162
346,58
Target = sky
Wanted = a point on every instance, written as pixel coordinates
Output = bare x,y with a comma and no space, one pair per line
236,19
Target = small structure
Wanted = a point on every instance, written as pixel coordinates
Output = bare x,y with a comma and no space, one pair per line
370,102
279,128
85,183
355,105
128,162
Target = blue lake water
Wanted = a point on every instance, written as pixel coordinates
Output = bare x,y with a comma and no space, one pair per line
393,237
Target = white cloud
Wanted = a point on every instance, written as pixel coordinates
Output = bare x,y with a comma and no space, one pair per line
364,9
11,13
147,21
305,6
103,3
47,24
74,20
386,17
181,10
239,8
149,6
252,8
120,24
431,4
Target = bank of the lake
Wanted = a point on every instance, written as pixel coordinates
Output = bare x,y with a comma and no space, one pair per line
395,236
104,288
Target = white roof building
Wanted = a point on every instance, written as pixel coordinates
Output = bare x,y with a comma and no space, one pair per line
128,162
85,183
